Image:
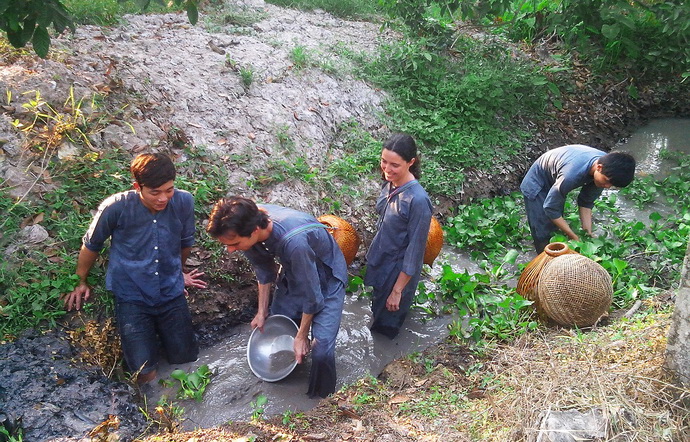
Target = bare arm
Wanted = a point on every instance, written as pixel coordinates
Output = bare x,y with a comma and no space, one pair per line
262,313
563,225
586,220
301,344
81,292
393,301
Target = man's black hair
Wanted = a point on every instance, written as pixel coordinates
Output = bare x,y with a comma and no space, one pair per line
237,215
619,168
152,169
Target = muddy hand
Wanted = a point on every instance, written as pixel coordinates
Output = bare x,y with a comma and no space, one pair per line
301,347
76,297
192,279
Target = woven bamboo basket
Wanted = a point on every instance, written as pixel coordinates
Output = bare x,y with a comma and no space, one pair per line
527,284
434,242
573,290
345,235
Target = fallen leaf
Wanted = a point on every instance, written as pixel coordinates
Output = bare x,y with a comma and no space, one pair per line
398,399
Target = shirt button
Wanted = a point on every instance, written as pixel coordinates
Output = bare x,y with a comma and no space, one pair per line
156,273
155,221
156,260
155,248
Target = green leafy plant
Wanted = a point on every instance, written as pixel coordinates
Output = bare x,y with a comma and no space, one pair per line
5,435
487,226
193,384
457,107
616,32
300,57
487,307
289,418
247,76
259,407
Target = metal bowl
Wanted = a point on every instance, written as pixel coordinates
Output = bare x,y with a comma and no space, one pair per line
270,353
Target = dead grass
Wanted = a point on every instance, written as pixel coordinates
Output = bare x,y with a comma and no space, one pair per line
616,368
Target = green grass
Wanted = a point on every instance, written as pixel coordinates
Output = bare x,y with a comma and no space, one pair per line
351,9
109,12
464,110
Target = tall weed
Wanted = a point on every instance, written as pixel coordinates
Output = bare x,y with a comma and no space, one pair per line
464,108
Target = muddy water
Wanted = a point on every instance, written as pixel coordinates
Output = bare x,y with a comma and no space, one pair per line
359,353
233,387
647,145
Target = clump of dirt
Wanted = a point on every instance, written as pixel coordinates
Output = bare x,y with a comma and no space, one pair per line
45,395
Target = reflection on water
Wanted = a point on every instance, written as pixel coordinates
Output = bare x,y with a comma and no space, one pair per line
647,146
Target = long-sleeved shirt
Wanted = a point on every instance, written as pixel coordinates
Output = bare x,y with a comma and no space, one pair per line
399,244
310,261
559,171
144,263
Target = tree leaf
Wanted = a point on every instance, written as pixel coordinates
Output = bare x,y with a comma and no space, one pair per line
41,41
192,13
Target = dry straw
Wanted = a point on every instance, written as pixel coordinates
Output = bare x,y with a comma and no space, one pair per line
618,370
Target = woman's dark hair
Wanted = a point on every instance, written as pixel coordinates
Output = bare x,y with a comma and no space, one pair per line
237,215
152,169
619,168
405,146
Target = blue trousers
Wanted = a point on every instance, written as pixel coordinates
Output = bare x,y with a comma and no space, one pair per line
144,329
541,227
324,330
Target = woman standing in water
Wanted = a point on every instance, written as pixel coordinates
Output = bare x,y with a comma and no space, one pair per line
394,259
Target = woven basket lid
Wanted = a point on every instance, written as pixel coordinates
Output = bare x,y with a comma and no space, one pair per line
345,235
573,290
434,242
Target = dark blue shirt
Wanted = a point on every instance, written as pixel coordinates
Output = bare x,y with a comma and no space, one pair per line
559,171
403,229
144,263
311,262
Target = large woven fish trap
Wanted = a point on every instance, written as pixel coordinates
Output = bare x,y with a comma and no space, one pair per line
345,235
573,290
434,242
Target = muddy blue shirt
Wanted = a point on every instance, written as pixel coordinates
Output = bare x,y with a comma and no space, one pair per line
144,264
559,171
403,228
311,262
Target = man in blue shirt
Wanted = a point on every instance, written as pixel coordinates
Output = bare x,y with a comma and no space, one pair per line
560,170
310,283
151,232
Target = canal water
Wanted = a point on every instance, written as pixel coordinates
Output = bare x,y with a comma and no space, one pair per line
233,388
648,145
